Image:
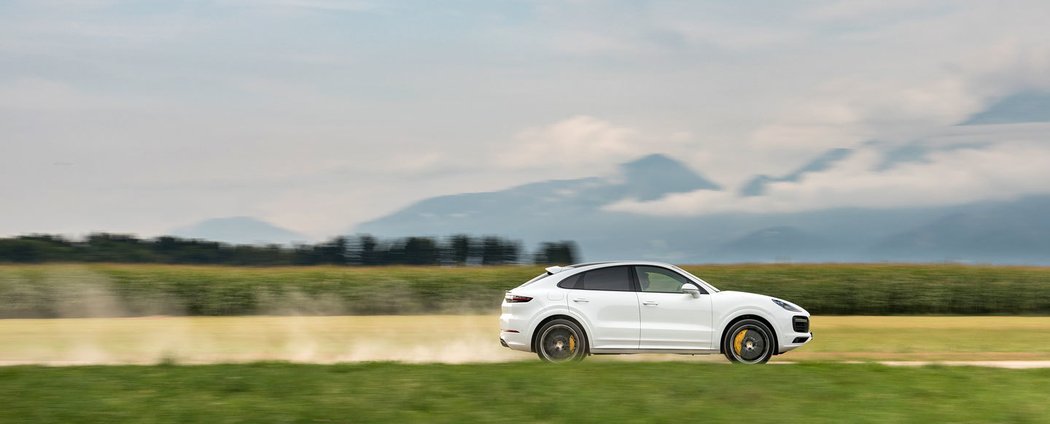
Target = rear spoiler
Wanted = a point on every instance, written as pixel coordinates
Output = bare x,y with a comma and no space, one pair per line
555,269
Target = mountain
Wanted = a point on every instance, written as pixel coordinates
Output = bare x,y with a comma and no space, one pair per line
1026,106
543,209
1008,232
239,230
917,152
1015,231
757,185
654,176
773,243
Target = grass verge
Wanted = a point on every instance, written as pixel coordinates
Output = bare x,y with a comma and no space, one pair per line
522,392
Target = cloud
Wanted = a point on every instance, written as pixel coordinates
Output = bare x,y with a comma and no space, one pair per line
329,5
39,95
312,5
869,10
323,113
852,110
579,141
949,176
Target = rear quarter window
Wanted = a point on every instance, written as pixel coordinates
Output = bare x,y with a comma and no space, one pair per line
615,278
571,282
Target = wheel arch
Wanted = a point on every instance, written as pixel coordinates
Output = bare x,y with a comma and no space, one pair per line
552,317
741,317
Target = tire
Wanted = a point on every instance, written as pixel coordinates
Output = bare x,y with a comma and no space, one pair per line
749,341
561,340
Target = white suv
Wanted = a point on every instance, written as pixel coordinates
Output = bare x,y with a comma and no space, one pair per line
570,312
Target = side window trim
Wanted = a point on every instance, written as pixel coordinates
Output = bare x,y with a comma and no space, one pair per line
636,285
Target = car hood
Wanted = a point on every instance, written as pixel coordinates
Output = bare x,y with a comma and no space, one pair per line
755,297
743,295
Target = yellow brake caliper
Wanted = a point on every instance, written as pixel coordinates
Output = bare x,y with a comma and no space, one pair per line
739,339
572,344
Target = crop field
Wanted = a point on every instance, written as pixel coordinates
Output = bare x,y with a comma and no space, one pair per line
103,290
471,338
522,392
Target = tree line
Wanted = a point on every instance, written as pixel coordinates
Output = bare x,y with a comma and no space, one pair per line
363,250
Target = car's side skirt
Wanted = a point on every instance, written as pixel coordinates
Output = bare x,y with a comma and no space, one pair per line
671,351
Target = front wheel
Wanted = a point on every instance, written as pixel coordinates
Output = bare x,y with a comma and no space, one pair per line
749,341
561,341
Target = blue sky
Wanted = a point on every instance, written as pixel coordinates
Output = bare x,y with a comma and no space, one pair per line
315,115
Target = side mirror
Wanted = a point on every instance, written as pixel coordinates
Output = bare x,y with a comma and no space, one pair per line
691,289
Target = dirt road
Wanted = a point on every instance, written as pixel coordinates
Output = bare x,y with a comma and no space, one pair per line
979,341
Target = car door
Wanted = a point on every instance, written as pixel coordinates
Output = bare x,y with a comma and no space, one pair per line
606,299
671,319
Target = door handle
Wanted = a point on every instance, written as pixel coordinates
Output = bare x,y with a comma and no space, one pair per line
580,300
650,303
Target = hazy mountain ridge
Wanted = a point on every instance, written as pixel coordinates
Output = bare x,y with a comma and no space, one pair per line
239,230
572,209
1000,231
1012,232
1021,107
757,185
548,207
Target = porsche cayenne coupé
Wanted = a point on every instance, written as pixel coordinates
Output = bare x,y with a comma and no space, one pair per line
570,312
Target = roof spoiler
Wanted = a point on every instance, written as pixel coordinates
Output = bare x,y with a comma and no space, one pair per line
555,269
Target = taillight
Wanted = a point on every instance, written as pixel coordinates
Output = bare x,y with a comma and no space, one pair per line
513,298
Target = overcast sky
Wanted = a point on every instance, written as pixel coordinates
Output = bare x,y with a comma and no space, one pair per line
316,115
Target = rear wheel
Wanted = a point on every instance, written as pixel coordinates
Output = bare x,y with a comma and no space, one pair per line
561,341
749,341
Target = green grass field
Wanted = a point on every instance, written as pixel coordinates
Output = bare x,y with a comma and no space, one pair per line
471,338
95,290
523,392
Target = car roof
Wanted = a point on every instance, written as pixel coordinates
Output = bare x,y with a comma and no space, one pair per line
619,263
595,265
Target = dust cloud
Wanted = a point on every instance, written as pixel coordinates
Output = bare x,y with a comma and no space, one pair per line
73,315
73,291
305,339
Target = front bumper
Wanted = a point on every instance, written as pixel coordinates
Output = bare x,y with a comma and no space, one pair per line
792,334
795,340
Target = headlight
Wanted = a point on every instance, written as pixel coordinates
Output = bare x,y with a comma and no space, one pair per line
786,305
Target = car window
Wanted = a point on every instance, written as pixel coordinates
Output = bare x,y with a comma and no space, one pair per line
659,280
570,283
617,278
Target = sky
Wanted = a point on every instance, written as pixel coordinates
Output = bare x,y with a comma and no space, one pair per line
316,115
